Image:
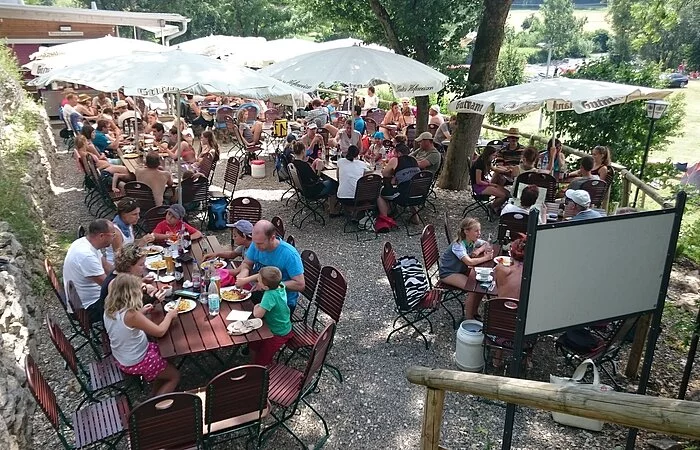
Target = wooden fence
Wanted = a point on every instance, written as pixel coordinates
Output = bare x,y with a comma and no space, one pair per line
663,415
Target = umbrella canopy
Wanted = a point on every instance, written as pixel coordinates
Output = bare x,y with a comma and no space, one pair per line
83,51
218,45
358,66
558,94
147,74
261,54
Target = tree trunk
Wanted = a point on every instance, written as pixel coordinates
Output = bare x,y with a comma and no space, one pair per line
423,104
481,77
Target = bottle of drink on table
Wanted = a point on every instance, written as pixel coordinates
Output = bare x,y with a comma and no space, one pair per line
213,299
196,277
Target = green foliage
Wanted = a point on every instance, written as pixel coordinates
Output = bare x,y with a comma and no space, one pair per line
531,22
8,62
600,39
662,171
561,27
623,128
509,72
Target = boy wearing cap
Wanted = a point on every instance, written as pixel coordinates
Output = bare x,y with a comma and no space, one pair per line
427,155
578,205
241,238
173,223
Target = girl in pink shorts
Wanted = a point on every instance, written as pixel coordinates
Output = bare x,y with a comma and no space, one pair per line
127,326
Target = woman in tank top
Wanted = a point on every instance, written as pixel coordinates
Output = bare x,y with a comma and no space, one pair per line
128,214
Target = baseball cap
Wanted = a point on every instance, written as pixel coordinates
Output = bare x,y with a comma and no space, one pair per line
435,108
579,196
178,211
312,126
378,135
424,135
245,227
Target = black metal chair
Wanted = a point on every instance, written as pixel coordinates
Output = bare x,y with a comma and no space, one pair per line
415,199
543,180
309,205
195,198
142,193
596,189
514,222
367,191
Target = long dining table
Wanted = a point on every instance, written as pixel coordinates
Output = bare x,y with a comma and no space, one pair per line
197,332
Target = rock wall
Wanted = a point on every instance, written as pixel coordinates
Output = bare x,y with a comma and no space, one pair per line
21,267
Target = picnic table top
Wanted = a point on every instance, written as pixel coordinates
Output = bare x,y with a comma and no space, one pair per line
197,331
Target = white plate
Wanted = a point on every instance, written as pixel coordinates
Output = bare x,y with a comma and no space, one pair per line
191,304
240,327
505,260
243,292
484,280
483,270
218,263
152,250
166,278
150,264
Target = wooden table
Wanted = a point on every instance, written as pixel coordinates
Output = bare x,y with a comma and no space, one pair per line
196,332
474,286
130,163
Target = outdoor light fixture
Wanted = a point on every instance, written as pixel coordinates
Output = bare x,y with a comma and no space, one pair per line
655,110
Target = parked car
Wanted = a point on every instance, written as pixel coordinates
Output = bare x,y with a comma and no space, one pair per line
675,79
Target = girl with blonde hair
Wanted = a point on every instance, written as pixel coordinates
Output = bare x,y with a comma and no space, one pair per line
128,326
466,251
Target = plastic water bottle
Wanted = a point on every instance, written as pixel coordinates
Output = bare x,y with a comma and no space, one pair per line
196,277
214,300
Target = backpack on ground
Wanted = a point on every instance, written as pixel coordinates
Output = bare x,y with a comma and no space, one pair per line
384,224
410,281
217,214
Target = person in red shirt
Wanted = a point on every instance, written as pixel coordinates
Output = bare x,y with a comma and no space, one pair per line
173,223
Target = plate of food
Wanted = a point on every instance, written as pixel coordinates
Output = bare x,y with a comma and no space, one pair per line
505,260
234,294
156,264
183,305
213,263
152,250
131,156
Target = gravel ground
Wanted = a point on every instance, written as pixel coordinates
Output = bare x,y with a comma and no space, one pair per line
375,406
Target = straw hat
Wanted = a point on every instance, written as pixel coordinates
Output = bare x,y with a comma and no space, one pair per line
513,132
83,98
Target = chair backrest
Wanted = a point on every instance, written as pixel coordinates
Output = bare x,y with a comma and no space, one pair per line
368,188
388,261
370,126
610,176
236,392
446,224
167,421
433,128
233,170
291,241
500,318
596,189
206,164
222,114
43,394
543,180
153,217
514,222
312,273
79,312
195,190
318,355
332,289
279,226
81,231
63,345
271,115
142,193
324,134
430,251
419,185
294,177
244,208
56,284
376,114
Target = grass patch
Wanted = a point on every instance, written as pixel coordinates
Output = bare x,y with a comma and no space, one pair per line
680,328
8,62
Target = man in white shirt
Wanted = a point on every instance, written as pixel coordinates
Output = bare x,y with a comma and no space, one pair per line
86,266
72,118
528,198
347,137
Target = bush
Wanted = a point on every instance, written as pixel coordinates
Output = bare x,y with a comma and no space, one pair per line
689,242
601,40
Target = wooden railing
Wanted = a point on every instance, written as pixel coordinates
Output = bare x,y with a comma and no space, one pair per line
663,415
629,180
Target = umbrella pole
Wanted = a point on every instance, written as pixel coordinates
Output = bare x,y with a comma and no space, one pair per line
178,150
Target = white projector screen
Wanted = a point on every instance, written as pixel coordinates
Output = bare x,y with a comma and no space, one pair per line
594,271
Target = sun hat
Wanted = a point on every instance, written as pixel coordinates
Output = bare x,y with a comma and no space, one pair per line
245,227
424,135
121,104
178,211
513,132
83,98
378,135
436,108
579,196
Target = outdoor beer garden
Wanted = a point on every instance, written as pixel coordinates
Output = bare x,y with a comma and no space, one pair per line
261,257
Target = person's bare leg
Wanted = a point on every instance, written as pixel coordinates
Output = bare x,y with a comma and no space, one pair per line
458,280
471,305
382,206
332,131
167,380
257,132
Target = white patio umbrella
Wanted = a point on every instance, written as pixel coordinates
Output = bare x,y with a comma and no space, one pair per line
556,94
349,42
358,66
147,74
261,54
86,50
218,46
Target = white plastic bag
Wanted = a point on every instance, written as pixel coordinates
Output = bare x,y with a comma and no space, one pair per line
575,380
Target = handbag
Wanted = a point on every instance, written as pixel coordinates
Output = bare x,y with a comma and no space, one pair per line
575,380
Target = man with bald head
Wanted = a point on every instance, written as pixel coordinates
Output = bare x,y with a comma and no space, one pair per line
267,249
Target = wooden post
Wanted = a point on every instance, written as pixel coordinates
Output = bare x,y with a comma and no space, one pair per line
662,415
432,419
625,194
637,350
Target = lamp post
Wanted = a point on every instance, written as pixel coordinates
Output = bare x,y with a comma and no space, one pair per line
549,47
655,110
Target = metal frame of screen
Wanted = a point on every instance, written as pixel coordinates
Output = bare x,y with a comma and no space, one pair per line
656,309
